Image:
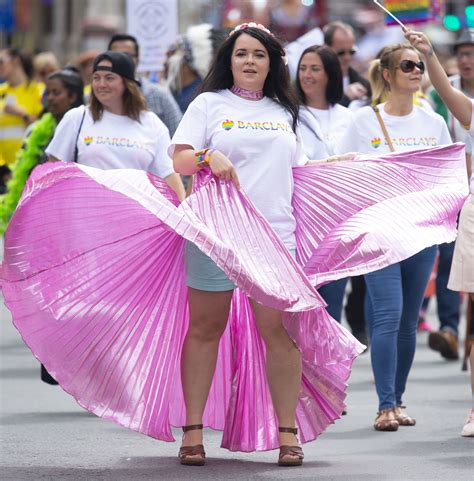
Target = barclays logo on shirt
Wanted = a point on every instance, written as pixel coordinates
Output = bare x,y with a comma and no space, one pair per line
121,142
266,125
406,142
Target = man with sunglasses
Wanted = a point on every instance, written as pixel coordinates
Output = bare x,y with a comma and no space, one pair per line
340,37
445,340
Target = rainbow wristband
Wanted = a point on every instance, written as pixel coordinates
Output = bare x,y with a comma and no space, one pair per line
204,157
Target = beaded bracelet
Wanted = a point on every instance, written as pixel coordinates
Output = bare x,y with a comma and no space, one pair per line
204,157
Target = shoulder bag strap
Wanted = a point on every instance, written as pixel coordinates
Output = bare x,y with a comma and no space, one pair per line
76,150
385,133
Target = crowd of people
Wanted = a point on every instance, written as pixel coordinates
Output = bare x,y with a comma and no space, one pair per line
99,114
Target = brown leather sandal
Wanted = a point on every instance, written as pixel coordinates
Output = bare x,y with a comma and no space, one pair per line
294,451
192,455
386,421
402,417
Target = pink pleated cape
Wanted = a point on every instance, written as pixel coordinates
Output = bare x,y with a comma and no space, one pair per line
93,275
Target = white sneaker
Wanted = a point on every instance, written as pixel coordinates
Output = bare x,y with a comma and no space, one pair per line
468,429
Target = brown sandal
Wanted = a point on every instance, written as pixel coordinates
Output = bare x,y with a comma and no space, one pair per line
386,421
192,455
294,451
403,418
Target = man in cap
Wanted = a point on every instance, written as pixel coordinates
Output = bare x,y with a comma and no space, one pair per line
158,99
445,340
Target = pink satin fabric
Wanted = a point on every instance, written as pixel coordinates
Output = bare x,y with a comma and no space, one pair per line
94,277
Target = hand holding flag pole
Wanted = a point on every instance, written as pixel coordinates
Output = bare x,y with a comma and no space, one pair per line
405,29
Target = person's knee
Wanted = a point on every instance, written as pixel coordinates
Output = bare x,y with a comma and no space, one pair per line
387,319
206,328
275,336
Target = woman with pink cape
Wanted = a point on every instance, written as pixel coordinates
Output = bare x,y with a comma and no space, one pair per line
95,279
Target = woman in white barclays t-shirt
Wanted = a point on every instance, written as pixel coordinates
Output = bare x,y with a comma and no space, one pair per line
318,86
323,121
234,119
462,271
395,293
115,131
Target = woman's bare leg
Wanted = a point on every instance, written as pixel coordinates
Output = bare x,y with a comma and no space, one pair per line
208,313
283,368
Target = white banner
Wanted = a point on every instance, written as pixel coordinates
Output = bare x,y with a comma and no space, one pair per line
155,25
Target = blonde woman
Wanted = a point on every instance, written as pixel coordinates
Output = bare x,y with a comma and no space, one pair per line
395,293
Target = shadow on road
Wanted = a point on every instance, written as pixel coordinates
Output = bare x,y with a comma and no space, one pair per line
45,417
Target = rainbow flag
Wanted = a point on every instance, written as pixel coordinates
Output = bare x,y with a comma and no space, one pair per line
414,11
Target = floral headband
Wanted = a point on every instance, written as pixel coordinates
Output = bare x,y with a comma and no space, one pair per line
244,26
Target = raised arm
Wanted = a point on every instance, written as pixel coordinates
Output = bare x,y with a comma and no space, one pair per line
458,103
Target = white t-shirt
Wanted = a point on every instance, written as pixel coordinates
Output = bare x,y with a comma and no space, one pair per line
312,135
113,142
420,129
345,81
258,139
333,122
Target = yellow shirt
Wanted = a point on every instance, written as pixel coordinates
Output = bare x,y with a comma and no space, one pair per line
12,127
87,93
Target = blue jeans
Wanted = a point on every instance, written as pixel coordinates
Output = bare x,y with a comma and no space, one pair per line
333,294
449,302
394,296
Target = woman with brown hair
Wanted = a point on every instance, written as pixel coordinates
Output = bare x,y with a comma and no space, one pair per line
115,131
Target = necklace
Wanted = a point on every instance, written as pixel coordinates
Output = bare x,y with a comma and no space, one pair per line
247,94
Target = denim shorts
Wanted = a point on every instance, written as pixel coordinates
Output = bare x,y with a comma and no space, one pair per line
203,274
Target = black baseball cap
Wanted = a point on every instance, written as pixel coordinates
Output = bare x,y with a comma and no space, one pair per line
466,38
122,64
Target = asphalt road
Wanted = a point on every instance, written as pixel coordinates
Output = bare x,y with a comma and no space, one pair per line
46,435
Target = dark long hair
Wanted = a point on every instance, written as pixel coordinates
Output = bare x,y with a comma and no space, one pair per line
277,84
332,68
25,60
72,82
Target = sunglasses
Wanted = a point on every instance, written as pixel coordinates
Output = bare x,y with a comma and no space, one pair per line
408,66
350,52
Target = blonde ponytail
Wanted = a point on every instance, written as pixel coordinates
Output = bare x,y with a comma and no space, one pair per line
378,84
